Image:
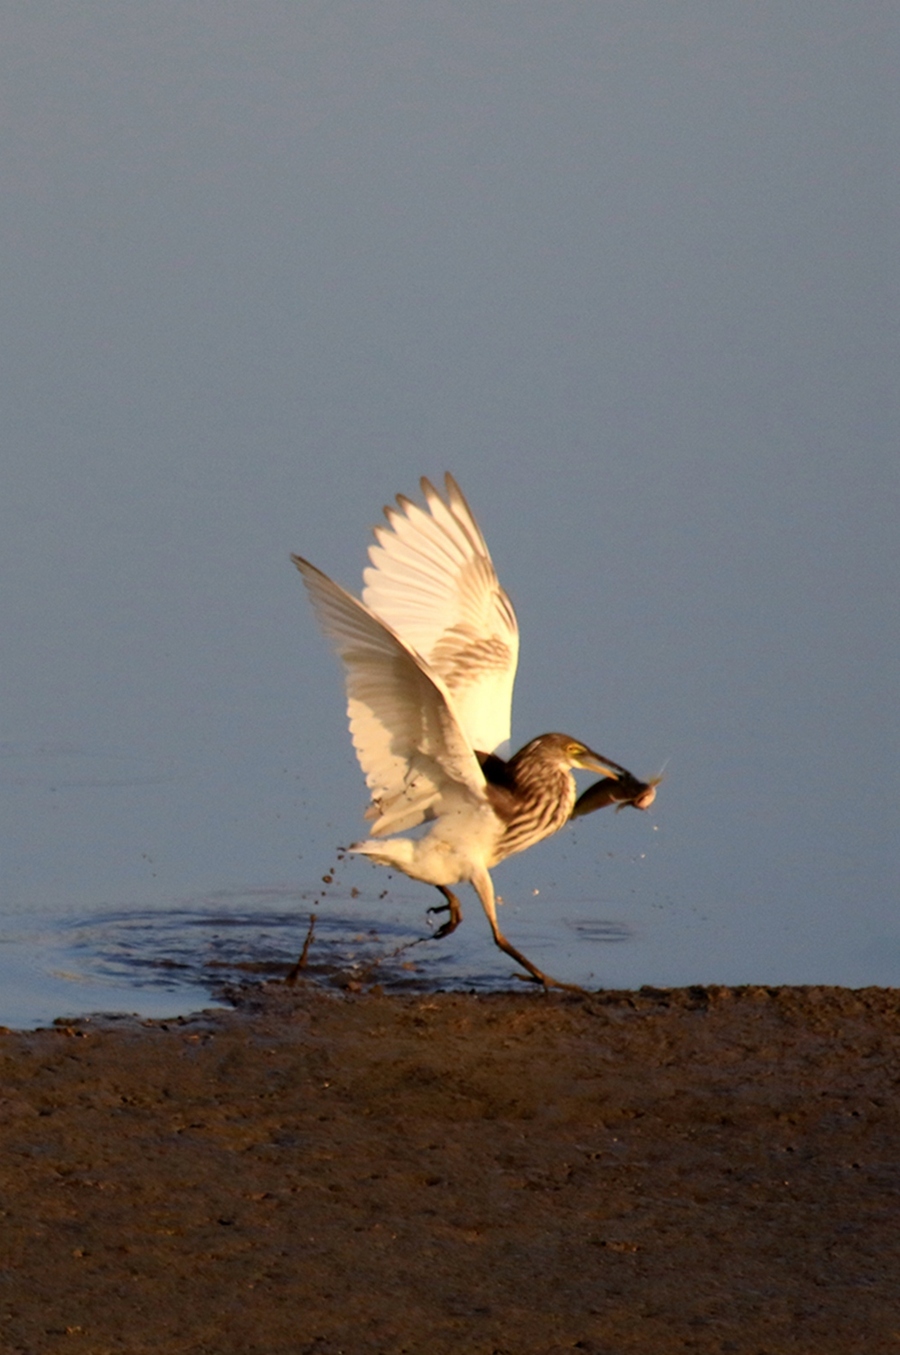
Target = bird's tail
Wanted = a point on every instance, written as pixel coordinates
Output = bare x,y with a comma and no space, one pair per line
397,851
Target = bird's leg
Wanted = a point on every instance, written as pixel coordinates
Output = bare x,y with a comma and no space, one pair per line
452,907
535,975
484,888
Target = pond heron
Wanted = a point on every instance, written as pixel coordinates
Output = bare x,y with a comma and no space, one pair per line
430,657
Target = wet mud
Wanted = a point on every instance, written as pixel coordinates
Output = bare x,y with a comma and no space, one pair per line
704,1170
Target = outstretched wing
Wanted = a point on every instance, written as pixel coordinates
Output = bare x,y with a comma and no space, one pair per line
433,582
403,721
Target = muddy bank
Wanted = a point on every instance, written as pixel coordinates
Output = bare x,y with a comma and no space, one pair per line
707,1170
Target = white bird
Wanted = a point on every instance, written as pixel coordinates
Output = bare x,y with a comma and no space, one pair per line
430,657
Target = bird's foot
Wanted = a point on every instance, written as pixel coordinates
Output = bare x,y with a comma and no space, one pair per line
446,928
533,975
452,907
547,982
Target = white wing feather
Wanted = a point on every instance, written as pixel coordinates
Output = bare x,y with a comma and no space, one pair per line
433,582
405,729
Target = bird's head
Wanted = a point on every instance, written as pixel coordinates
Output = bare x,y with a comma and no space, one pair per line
585,759
571,754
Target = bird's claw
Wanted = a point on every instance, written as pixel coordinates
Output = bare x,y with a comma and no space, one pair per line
452,907
450,925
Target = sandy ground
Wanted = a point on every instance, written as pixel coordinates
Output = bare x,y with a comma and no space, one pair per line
702,1170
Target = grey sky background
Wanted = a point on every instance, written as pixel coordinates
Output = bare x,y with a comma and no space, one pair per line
630,271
